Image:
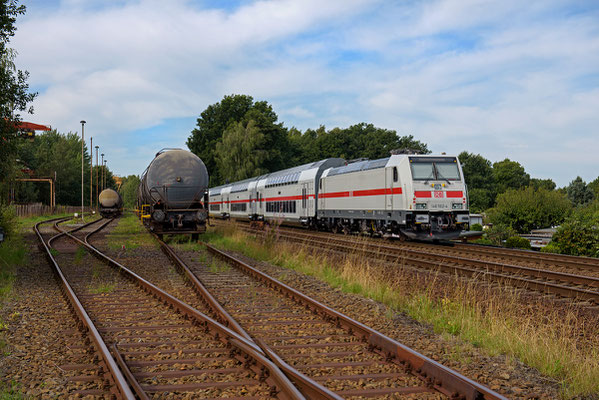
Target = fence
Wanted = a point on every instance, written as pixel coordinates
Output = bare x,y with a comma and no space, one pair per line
37,209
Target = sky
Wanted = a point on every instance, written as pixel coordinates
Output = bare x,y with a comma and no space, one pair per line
504,79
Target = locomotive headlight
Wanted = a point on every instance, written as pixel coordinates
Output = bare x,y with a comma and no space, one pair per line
420,206
457,206
201,215
158,215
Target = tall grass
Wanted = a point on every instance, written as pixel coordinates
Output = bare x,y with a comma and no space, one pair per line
129,234
557,341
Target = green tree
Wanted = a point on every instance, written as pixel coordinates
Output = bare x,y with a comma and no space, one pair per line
542,183
129,190
478,174
41,156
215,120
240,154
594,185
579,193
509,175
357,141
525,209
14,96
409,143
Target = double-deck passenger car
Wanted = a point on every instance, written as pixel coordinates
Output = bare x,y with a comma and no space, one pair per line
415,196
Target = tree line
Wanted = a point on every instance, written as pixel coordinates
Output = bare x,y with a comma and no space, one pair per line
58,156
238,138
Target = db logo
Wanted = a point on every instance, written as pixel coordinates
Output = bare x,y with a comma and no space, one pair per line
438,195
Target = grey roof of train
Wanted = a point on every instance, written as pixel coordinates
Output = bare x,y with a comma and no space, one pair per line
359,166
289,175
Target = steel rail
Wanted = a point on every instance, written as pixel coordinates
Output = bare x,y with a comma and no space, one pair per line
307,385
437,375
579,262
116,375
562,259
435,261
535,272
250,349
222,315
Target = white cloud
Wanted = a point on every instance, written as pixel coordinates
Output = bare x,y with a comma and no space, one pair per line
504,79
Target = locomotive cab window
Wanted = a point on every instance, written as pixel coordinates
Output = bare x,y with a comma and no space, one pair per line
427,169
395,177
447,171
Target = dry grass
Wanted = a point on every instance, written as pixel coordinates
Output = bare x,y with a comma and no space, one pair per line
558,341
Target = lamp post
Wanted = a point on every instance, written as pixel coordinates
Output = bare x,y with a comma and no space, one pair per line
102,167
82,143
105,174
97,194
91,172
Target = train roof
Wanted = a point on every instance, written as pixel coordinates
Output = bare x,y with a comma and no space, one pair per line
286,176
359,166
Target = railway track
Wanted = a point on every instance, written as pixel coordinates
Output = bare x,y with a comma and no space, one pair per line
147,342
166,348
581,288
325,353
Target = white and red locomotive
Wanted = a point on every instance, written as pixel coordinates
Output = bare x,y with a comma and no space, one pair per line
415,196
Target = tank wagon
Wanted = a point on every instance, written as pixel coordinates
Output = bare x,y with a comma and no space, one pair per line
411,196
173,193
110,203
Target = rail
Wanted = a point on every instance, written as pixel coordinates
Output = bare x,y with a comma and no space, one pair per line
99,344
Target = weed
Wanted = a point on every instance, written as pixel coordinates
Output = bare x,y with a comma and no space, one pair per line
103,288
131,233
79,254
11,391
54,252
12,254
96,271
219,266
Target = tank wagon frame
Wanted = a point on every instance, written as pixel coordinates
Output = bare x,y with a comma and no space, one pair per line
411,196
173,194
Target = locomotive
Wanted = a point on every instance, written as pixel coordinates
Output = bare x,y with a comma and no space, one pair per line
410,196
173,193
111,203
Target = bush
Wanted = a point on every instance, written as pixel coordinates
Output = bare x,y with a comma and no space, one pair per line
550,248
476,227
517,242
527,209
579,235
483,241
499,233
8,220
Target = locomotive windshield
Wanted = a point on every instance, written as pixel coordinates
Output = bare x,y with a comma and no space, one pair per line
434,168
